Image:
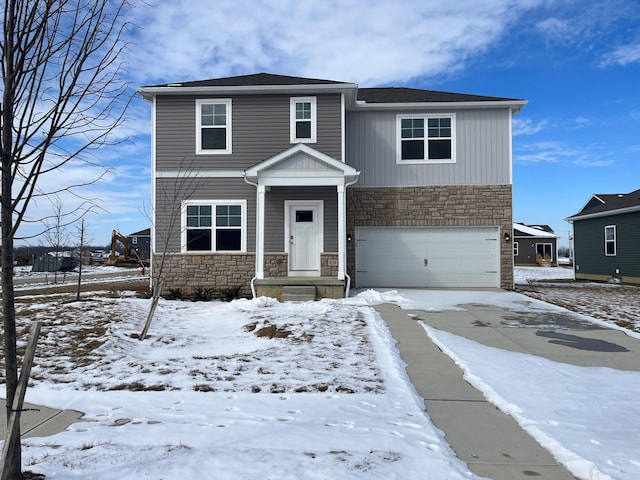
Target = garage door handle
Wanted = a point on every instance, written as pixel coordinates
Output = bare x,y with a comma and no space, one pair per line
426,262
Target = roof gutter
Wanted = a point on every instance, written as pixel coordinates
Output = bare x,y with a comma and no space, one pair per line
608,213
348,89
515,105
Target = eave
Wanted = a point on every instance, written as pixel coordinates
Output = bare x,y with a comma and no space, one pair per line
607,213
349,89
515,105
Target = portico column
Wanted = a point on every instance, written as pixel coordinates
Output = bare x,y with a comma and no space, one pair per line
342,242
260,232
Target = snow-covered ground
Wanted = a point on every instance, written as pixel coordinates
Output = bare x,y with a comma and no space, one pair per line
258,389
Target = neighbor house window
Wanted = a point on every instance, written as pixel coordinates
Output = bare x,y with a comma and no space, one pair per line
213,126
610,240
303,120
545,250
515,249
426,138
216,226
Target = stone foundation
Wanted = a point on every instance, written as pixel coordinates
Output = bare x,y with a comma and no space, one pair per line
215,271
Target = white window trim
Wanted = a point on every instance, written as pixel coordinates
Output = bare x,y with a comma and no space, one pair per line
615,241
213,204
212,101
425,116
292,115
516,250
544,244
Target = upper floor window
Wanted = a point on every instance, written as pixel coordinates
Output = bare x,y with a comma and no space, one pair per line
214,226
610,240
426,138
303,120
213,126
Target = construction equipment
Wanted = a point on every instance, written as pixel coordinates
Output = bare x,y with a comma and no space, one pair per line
126,260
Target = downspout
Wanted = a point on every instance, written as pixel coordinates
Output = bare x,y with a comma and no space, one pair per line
253,279
348,285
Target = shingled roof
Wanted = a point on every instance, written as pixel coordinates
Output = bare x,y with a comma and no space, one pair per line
255,79
413,95
609,203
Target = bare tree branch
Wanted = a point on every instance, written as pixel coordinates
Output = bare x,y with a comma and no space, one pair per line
63,97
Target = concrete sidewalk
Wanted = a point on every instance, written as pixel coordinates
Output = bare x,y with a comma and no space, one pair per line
492,443
37,421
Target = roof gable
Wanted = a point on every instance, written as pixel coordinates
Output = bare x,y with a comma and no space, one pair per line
603,204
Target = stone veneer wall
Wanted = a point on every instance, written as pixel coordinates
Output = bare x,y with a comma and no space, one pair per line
441,206
329,264
214,270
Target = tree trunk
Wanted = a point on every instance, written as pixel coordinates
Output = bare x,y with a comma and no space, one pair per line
12,470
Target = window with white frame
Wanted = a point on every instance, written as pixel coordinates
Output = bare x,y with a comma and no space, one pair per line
610,240
213,126
426,138
214,226
545,250
515,249
303,119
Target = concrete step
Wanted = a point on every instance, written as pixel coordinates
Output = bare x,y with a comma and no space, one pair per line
295,293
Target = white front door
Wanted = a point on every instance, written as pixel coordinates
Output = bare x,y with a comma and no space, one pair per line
303,230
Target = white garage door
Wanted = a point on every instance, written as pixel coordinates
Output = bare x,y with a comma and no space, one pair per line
427,257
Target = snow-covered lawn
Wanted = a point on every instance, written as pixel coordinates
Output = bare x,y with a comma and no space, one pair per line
258,389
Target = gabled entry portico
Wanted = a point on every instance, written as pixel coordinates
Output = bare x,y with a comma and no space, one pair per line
301,211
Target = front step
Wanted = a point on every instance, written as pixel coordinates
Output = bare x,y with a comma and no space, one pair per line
303,293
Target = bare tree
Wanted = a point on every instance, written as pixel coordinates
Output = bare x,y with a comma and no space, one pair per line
170,193
82,241
62,97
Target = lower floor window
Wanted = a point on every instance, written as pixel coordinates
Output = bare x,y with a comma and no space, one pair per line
215,226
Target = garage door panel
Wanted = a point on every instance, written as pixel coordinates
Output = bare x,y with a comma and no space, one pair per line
427,257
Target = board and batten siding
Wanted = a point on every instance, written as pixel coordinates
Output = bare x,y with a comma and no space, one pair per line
482,150
589,247
171,192
260,130
274,212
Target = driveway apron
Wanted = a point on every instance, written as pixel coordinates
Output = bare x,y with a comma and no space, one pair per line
492,443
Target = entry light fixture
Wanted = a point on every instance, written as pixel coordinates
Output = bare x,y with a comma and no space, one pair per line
507,236
349,237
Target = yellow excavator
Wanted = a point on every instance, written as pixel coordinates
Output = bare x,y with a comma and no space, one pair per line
126,260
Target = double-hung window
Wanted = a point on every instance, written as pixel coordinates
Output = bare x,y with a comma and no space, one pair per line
303,119
610,240
426,138
213,126
214,226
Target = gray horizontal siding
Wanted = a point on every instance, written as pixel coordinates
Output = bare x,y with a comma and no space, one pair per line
260,130
589,245
482,144
275,214
171,192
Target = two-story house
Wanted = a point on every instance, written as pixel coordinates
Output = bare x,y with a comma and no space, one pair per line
266,182
606,233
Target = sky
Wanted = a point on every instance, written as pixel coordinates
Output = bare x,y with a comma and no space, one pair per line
206,394
577,63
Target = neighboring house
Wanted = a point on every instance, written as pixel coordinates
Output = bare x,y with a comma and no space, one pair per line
606,236
140,242
264,182
534,245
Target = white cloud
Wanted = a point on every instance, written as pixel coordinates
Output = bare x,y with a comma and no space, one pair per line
560,152
526,126
623,55
373,42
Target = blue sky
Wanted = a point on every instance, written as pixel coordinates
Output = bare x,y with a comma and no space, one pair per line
577,62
